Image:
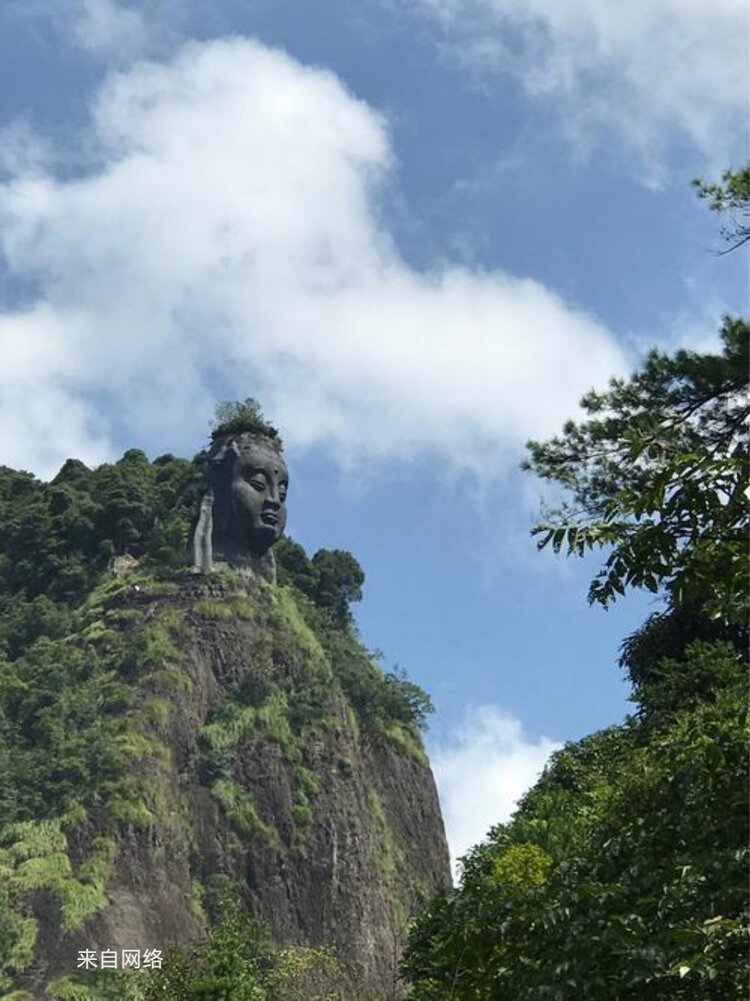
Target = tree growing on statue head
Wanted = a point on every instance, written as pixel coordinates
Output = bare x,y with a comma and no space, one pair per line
235,417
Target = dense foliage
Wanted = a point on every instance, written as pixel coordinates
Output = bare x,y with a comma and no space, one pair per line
623,873
657,474
86,683
234,417
60,538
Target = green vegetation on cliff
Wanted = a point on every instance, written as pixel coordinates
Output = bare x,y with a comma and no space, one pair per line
60,538
98,615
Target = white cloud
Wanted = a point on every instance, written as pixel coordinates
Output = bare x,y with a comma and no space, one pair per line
105,29
482,769
230,241
695,327
22,149
647,71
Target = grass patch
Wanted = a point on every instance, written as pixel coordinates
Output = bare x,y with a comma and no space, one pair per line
405,742
209,608
82,897
34,856
289,614
240,809
306,784
138,745
234,721
23,935
156,711
302,814
44,871
307,780
228,579
31,839
122,616
195,901
388,848
169,678
65,989
97,631
231,606
129,810
75,817
242,607
153,649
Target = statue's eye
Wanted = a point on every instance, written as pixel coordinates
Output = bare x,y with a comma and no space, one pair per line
283,487
258,482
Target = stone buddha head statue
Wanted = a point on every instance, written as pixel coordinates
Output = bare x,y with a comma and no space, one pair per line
244,509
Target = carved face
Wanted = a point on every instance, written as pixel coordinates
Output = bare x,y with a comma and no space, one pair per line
257,496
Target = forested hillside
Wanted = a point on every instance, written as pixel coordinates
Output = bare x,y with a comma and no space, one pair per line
181,755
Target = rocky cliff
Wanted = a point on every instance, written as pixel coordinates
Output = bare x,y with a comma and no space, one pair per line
237,755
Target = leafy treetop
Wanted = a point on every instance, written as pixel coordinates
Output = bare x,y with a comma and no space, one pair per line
622,873
658,475
233,417
730,196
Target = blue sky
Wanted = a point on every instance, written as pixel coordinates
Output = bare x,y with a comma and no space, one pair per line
418,233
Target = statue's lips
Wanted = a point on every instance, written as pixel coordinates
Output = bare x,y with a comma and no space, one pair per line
269,518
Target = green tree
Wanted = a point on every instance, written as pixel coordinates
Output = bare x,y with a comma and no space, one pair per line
294,567
332,579
227,966
237,961
623,872
233,417
658,474
338,582
731,198
622,875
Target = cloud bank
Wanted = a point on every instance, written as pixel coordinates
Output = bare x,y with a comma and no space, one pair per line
229,240
482,769
649,72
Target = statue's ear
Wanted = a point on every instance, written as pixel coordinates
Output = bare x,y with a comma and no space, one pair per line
223,450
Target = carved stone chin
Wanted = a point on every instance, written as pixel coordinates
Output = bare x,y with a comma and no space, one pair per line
243,511
248,564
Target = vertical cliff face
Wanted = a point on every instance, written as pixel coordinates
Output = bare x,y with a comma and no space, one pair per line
246,762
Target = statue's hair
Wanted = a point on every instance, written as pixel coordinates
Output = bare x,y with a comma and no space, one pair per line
235,441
